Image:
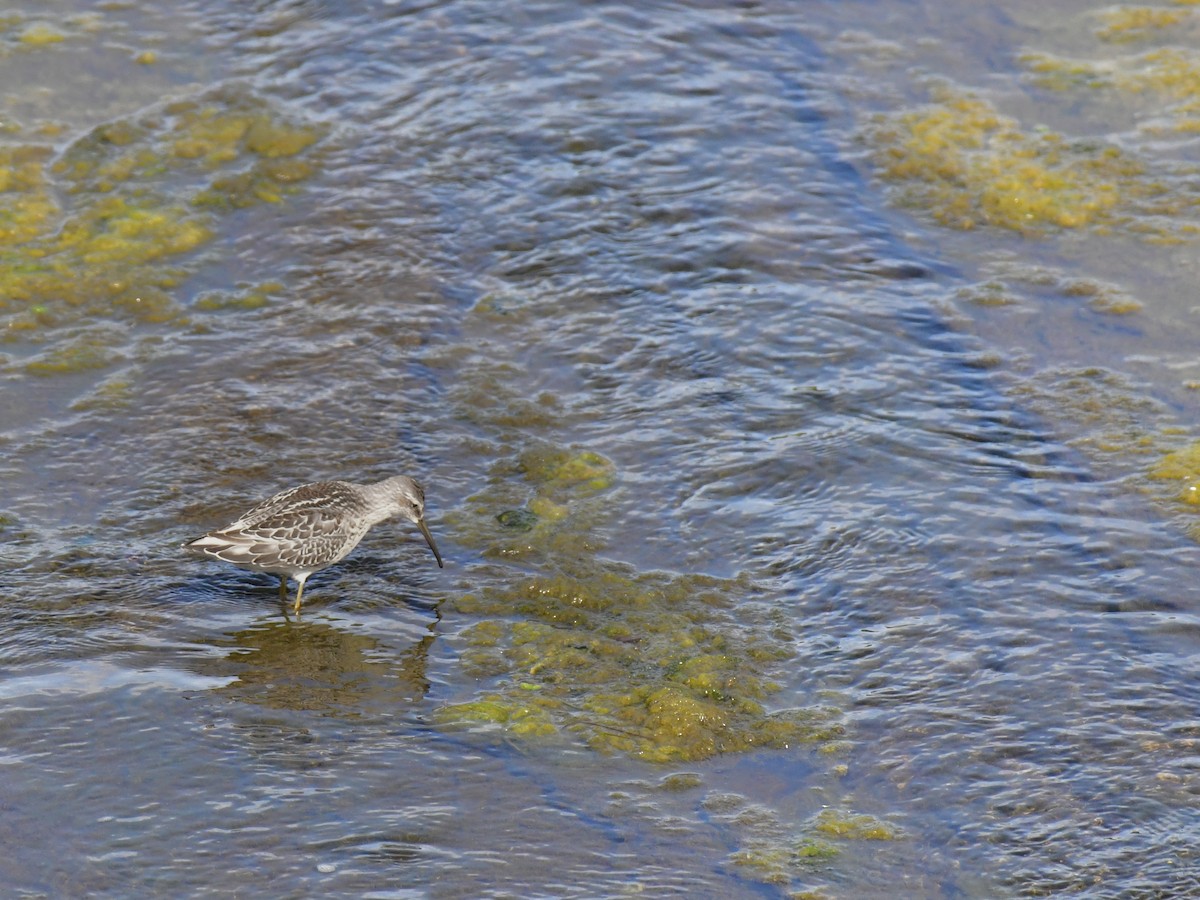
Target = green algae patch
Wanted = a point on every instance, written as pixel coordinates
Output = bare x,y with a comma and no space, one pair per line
994,292
1102,297
201,140
1135,438
662,667
271,138
1009,281
1101,413
40,34
621,663
110,229
247,298
1057,73
769,864
680,782
811,850
1171,78
261,184
1164,82
117,392
20,32
518,519
552,467
517,719
968,166
853,826
772,851
777,863
1181,468
544,500
81,353
1132,23
1169,71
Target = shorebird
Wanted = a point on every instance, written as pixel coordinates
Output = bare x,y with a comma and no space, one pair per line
308,528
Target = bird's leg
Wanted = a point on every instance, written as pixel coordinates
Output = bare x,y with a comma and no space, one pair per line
299,594
283,589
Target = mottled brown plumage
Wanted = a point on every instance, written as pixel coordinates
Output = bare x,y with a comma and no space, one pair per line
308,528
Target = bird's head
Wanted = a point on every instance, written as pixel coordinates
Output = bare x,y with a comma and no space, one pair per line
408,500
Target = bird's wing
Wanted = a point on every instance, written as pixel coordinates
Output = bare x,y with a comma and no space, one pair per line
302,538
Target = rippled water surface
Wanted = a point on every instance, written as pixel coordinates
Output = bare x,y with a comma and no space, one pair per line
804,398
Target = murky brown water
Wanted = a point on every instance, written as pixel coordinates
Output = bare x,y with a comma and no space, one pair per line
801,470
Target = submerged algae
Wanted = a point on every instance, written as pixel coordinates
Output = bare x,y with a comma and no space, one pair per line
1135,437
1182,467
247,297
1131,23
33,32
134,207
655,665
555,467
853,826
774,852
1169,76
91,350
968,165
998,289
637,664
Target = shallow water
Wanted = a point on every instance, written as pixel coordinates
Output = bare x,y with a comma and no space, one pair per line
802,523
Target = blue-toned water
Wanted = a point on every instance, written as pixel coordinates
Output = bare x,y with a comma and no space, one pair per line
790,454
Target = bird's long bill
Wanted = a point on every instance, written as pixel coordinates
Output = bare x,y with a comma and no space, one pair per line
429,539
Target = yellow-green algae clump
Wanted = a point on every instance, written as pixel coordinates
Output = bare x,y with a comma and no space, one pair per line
630,664
658,666
139,196
1170,75
247,297
776,852
40,34
968,165
998,289
20,32
1181,467
1131,23
1174,479
1100,412
1134,437
79,353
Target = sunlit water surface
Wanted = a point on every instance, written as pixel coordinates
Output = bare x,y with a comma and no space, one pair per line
804,584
